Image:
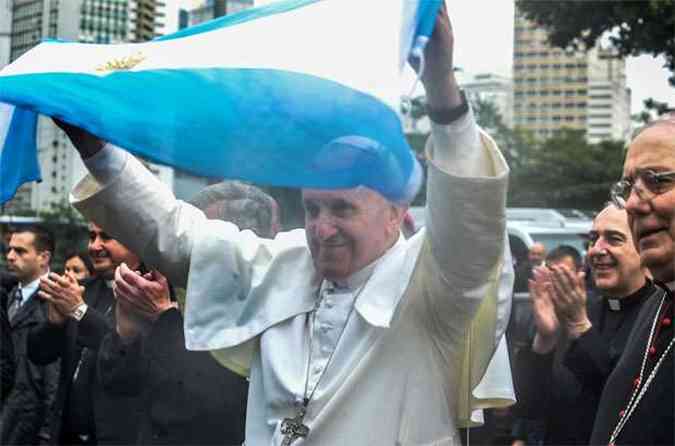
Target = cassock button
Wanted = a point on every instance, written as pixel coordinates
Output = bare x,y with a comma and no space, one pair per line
652,351
621,414
636,382
666,321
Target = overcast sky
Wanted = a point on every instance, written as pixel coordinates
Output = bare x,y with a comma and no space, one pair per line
484,43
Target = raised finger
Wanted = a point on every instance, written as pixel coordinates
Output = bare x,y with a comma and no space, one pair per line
62,281
122,288
132,277
45,296
562,279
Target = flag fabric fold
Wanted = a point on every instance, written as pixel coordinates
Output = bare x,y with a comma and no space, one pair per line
300,93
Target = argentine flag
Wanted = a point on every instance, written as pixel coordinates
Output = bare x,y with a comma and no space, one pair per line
299,93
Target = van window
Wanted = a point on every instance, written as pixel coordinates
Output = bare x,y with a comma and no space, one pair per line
553,240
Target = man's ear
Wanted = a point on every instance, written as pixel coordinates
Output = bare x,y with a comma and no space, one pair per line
397,214
47,255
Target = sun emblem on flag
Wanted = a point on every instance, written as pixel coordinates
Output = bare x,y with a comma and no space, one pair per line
122,63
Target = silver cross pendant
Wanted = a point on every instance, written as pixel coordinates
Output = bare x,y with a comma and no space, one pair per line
293,428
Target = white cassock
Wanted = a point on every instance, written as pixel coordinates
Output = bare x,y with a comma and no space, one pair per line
390,356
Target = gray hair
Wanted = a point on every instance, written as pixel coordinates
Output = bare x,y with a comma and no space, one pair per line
242,204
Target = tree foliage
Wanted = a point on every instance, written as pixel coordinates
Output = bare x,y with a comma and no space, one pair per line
69,230
637,26
565,171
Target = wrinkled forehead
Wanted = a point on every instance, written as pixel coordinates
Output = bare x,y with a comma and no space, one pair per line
652,149
357,196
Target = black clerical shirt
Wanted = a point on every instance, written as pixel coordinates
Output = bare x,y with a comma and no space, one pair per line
651,422
561,390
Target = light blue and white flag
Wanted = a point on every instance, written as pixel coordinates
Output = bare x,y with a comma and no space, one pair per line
299,93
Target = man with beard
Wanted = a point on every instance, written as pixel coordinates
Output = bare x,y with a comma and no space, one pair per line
637,402
567,377
79,319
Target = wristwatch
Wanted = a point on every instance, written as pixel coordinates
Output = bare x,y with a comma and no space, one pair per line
447,116
79,312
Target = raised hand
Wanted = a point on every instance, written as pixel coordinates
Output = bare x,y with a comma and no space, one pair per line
85,143
63,294
438,77
569,298
146,295
545,318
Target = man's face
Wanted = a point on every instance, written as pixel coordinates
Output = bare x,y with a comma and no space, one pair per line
536,254
348,229
107,253
567,261
615,264
24,260
651,220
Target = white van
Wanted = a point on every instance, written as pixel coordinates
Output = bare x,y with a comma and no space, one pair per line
526,226
551,227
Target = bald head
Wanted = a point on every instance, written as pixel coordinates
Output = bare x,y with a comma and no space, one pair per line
536,253
651,218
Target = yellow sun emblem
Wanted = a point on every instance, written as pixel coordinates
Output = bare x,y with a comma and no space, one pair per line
122,63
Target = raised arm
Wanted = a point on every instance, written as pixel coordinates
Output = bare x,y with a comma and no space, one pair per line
466,194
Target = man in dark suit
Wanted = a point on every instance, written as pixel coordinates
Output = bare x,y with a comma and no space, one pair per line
187,397
31,399
79,319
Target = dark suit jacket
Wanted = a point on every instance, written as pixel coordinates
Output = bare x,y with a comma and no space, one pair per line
113,418
187,397
31,400
7,364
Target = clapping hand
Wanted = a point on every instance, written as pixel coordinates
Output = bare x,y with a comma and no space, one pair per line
543,309
569,298
140,300
63,295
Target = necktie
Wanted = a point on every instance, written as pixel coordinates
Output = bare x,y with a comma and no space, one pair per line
15,304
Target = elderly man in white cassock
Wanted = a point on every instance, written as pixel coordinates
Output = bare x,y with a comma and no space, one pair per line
350,334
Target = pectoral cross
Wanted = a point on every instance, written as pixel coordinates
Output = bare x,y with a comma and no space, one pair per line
293,428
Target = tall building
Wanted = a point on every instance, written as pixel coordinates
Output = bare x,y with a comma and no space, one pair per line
5,30
145,19
92,21
491,87
557,88
205,10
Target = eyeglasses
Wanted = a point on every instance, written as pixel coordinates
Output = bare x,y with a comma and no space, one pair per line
646,184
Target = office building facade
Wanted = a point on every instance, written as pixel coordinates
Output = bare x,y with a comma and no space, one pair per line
555,88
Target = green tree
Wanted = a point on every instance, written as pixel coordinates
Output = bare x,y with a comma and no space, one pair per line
636,26
69,230
566,172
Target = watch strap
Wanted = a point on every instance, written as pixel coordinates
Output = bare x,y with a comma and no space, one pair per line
79,312
445,116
